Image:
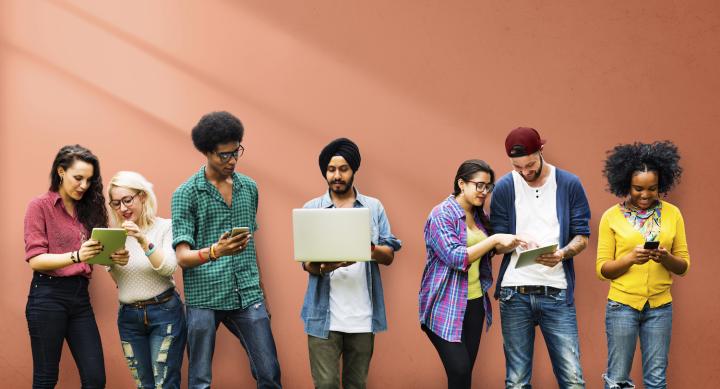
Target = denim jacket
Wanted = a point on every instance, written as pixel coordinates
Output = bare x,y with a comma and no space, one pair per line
316,306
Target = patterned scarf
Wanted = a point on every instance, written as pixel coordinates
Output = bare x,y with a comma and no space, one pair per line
645,221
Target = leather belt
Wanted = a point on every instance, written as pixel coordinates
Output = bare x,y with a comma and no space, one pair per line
159,299
536,289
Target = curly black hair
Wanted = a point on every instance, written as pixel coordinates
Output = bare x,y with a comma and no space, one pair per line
91,211
216,128
624,161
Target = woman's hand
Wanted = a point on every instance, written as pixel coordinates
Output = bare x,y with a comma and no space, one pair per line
133,230
660,255
89,249
506,242
639,255
120,257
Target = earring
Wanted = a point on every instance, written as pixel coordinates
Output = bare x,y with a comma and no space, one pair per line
61,178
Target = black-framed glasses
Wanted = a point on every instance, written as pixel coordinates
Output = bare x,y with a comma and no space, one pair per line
225,156
482,186
127,200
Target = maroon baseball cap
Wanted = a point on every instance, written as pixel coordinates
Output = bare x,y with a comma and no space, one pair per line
523,141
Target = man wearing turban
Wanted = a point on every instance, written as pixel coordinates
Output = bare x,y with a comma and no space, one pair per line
344,305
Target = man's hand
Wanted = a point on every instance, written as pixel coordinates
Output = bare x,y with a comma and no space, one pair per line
551,259
229,245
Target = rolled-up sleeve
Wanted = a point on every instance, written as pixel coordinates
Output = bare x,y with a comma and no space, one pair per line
385,236
169,263
36,239
183,220
443,240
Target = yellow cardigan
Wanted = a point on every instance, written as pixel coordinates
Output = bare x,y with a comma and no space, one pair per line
647,282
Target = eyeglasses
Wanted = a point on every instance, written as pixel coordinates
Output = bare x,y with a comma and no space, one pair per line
127,200
483,186
224,157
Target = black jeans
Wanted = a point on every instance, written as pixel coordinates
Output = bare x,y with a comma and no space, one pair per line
459,358
59,309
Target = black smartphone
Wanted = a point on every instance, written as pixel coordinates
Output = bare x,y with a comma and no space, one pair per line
654,245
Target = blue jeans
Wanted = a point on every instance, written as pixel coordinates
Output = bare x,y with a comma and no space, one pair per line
251,326
623,324
153,340
519,314
58,309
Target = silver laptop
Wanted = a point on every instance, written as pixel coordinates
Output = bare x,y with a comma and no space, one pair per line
332,234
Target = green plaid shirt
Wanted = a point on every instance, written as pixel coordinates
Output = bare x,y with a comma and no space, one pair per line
199,216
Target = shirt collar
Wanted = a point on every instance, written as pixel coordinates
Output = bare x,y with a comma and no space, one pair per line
326,200
455,208
201,181
54,197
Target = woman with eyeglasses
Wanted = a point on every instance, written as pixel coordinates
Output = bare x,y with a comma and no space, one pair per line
57,225
641,246
458,272
151,318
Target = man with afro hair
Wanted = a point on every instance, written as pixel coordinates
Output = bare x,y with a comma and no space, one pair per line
220,271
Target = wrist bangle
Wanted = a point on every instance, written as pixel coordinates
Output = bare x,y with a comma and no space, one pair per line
202,260
75,256
212,252
151,249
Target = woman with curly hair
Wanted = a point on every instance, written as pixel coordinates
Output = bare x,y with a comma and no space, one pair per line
641,244
57,225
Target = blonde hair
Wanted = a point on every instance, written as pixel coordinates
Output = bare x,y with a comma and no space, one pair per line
135,181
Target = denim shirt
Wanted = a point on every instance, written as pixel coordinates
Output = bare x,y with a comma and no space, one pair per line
316,306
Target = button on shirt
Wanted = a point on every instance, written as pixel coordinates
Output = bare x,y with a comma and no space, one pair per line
199,216
49,229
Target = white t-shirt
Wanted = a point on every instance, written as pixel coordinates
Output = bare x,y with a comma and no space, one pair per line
536,220
350,306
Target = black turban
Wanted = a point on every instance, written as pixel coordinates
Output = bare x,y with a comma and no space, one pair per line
343,147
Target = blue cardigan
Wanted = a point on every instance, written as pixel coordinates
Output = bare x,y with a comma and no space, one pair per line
573,212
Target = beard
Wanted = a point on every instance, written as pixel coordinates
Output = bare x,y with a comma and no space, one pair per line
537,173
347,186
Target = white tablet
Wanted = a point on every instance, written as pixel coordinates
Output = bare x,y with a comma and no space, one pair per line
527,257
332,234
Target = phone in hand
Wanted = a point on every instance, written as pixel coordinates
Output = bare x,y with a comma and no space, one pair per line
239,230
653,245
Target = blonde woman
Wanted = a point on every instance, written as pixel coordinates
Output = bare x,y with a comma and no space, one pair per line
151,318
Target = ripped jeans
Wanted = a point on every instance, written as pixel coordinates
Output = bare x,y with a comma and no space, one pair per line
519,315
623,326
153,340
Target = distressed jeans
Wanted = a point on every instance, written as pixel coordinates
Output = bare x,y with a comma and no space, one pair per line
519,314
153,340
251,326
623,326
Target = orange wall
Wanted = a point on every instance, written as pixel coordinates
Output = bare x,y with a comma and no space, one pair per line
420,86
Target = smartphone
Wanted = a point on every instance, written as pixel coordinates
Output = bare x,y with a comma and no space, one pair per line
654,245
239,230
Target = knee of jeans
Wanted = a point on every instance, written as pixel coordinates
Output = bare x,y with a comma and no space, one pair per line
613,384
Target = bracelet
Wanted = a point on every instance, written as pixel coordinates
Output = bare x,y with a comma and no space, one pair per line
151,250
75,256
202,260
213,257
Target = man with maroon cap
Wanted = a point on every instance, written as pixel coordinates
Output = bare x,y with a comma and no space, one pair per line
544,205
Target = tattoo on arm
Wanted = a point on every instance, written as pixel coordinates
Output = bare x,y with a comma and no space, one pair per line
576,245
